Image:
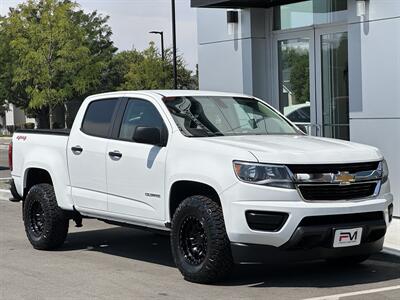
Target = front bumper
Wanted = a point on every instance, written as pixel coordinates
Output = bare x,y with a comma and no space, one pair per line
255,254
288,201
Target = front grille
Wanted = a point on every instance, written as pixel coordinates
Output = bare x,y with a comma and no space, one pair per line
337,192
333,168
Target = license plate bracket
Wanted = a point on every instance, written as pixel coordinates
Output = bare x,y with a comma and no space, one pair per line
347,237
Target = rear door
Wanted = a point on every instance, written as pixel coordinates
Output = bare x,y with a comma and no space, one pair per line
135,179
87,154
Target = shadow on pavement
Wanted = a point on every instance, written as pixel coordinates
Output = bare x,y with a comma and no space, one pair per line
153,248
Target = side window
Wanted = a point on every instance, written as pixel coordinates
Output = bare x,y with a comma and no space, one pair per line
139,113
98,117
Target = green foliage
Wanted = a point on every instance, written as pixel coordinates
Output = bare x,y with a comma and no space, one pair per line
52,52
118,67
149,71
56,52
297,61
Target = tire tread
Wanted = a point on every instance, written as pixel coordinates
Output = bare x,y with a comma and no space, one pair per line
56,223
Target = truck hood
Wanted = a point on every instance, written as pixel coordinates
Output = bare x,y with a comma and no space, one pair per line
295,149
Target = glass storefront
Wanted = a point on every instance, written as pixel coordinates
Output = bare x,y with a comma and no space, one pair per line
294,80
312,66
311,12
335,85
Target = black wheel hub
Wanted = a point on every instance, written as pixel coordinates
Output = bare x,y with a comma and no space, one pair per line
193,240
36,218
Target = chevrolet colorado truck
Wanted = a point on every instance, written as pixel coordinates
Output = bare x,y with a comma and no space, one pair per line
226,175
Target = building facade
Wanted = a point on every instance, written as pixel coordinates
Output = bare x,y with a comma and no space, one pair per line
331,66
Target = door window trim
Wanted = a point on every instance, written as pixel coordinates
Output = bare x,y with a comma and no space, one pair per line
116,109
120,116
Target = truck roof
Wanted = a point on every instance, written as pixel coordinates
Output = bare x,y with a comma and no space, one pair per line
170,93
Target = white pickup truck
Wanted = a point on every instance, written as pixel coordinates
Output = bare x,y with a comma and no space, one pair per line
228,176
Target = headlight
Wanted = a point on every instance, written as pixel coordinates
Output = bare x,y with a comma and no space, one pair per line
385,171
261,174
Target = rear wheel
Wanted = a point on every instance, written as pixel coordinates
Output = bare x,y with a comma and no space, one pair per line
199,242
46,224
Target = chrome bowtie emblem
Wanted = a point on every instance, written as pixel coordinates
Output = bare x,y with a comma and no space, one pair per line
344,178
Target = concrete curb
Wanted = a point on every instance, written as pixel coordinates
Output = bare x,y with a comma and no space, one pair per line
391,251
5,195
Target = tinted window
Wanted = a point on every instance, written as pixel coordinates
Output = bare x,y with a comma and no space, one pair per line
214,116
301,115
98,117
139,113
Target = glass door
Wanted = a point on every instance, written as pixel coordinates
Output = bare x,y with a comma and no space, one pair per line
333,82
294,86
312,82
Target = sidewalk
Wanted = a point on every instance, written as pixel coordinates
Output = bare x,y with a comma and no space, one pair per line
392,240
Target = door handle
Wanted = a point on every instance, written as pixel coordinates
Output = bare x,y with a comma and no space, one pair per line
116,155
77,150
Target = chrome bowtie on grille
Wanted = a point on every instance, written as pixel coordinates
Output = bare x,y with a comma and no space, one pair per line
340,181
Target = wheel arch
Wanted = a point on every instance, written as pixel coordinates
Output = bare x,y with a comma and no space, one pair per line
34,176
181,189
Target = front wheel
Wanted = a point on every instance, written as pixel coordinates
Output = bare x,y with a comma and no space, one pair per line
200,245
46,224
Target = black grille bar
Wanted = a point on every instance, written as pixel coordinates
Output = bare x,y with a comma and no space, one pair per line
338,192
334,168
342,219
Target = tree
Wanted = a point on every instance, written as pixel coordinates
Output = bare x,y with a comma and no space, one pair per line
57,53
4,74
149,71
118,67
297,61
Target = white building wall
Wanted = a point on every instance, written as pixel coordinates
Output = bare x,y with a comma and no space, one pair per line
374,68
226,62
16,117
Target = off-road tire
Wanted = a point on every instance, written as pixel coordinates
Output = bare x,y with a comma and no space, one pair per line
348,260
218,261
54,221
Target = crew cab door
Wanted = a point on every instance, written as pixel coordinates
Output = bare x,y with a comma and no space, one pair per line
135,171
86,154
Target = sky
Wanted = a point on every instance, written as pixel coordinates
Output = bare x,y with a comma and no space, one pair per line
131,21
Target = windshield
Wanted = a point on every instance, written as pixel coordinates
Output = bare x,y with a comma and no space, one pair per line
225,116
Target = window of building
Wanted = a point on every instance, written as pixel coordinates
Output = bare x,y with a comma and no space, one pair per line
335,85
311,12
98,117
139,113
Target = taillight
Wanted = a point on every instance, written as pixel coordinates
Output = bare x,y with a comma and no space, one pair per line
10,156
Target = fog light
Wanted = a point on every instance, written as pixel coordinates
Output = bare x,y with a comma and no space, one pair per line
265,220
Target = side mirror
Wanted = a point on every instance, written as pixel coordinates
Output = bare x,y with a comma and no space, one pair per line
150,135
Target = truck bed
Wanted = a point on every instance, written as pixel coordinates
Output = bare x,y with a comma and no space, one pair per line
64,132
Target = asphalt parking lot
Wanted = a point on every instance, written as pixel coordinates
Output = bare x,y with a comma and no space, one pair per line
100,261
